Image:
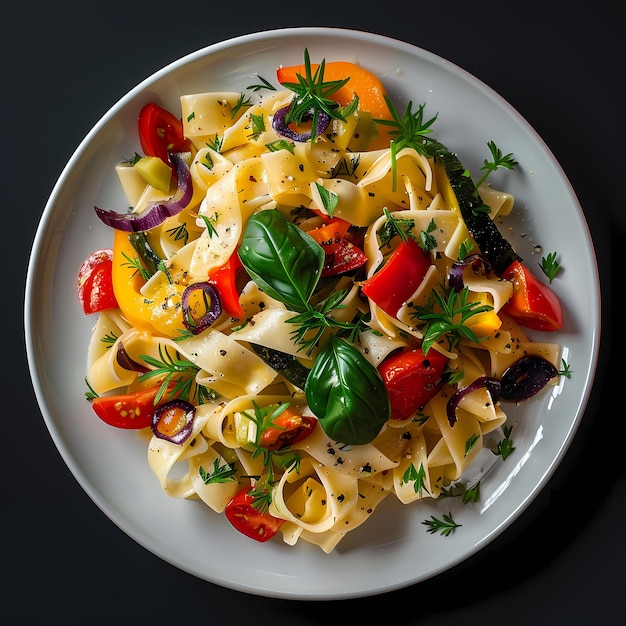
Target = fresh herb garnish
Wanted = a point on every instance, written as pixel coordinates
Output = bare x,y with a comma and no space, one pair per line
264,418
243,101
178,372
446,315
445,527
549,266
265,84
409,131
498,160
505,447
311,97
219,474
417,477
566,371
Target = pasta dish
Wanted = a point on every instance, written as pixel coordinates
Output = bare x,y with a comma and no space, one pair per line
309,306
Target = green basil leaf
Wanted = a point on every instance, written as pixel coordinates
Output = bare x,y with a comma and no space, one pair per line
283,261
347,394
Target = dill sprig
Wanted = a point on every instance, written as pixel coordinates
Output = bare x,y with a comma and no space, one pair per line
498,160
446,315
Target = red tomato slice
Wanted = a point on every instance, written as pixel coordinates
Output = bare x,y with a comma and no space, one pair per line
127,410
160,132
392,285
341,254
288,428
340,257
95,282
533,304
411,379
249,520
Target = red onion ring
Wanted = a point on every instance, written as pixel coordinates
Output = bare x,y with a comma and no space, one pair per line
156,214
196,326
168,416
478,263
280,126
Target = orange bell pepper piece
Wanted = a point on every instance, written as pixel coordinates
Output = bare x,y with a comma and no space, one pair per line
367,86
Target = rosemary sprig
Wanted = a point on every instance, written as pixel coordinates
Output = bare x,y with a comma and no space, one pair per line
264,418
410,130
265,84
311,97
178,372
318,319
446,526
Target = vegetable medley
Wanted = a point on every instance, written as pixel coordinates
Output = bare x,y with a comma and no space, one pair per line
310,306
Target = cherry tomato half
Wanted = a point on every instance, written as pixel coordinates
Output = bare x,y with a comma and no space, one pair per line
160,132
250,520
411,379
128,410
95,282
341,254
288,428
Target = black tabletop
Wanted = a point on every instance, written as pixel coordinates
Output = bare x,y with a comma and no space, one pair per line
64,64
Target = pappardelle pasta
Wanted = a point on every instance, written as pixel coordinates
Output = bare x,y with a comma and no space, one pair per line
310,308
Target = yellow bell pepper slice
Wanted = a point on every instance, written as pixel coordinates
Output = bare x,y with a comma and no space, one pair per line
159,314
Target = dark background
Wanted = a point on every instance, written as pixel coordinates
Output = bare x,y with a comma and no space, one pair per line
64,64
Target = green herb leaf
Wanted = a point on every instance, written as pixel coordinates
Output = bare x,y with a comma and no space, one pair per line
284,261
549,266
498,160
346,393
311,96
219,474
446,315
505,447
445,527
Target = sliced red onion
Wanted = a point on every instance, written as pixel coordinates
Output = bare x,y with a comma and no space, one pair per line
281,127
478,262
213,310
156,214
520,381
491,384
124,360
526,377
173,421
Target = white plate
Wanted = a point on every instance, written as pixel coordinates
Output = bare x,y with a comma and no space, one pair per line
393,549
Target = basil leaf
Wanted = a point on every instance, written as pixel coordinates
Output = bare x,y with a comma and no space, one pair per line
346,393
283,261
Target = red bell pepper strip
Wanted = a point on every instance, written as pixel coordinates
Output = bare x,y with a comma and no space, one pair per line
533,304
95,282
411,379
225,280
391,286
